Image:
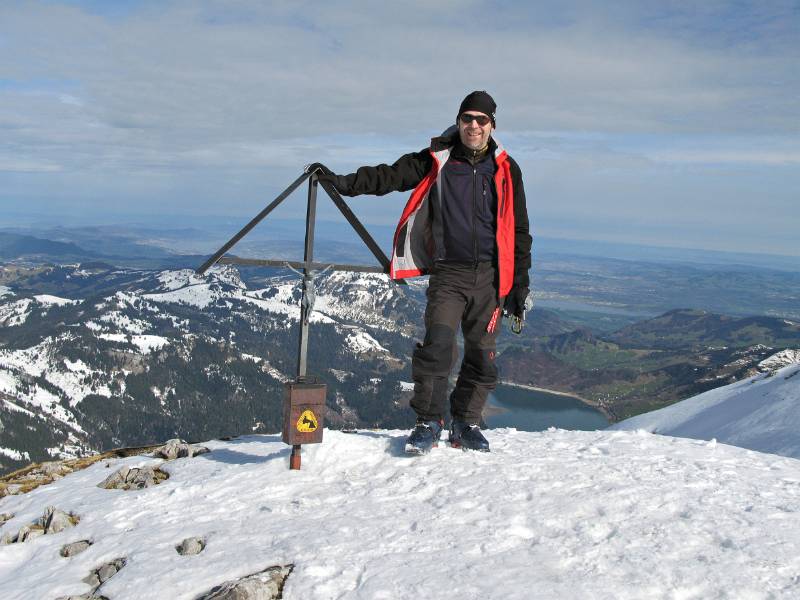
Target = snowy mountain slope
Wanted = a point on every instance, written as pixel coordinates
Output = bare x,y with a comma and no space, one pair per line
143,362
609,515
760,413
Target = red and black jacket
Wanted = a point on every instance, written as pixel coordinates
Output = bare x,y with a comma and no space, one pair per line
431,227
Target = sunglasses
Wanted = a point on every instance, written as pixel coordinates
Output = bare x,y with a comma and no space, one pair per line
467,119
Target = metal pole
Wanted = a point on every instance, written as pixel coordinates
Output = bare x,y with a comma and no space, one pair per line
305,312
308,258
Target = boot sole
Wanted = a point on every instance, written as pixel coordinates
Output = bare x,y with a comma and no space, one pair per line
416,451
466,448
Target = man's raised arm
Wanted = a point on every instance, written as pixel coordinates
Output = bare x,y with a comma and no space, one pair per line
405,174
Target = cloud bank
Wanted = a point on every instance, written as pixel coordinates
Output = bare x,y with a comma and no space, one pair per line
195,103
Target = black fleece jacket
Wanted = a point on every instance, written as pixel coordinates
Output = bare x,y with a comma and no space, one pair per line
465,218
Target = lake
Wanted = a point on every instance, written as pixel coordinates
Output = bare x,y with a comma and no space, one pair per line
533,410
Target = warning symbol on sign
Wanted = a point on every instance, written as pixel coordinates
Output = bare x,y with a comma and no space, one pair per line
307,422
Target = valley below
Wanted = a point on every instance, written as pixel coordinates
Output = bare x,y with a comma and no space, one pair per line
96,356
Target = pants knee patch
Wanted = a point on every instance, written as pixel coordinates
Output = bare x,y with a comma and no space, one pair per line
435,355
479,366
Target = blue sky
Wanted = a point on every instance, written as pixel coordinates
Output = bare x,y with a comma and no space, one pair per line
649,122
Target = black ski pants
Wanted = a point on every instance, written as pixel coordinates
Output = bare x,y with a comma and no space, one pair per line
465,295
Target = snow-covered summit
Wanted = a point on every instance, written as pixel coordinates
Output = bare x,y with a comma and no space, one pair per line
780,359
760,413
552,515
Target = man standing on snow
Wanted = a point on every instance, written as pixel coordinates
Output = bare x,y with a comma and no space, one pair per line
465,224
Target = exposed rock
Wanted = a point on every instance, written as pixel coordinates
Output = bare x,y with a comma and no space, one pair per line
102,574
34,533
5,517
136,478
265,585
52,521
93,579
28,532
11,489
106,572
29,478
54,469
83,597
75,548
8,538
177,448
190,546
56,521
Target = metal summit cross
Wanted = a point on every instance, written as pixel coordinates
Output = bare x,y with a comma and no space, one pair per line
303,402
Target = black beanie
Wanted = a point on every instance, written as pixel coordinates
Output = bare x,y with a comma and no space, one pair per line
479,101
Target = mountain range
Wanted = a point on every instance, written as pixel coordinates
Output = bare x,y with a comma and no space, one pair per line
94,357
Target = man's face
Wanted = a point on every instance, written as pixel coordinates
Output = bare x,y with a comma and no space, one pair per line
473,135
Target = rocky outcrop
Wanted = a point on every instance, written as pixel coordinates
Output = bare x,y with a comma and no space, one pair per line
97,578
74,548
133,478
264,585
103,573
190,546
32,476
177,448
52,521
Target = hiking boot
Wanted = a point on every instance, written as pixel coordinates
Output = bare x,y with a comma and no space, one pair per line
467,437
424,436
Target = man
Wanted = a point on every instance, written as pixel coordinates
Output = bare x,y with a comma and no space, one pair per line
465,224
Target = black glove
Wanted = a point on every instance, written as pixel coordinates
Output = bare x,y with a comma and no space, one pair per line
337,181
325,175
515,302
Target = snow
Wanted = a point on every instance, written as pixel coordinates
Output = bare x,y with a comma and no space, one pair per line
8,383
15,313
780,359
360,342
73,380
122,322
48,300
340,375
760,413
12,406
407,386
551,515
266,367
5,291
173,280
114,337
200,296
149,343
145,343
14,454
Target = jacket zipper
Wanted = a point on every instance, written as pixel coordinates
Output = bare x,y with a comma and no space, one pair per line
475,216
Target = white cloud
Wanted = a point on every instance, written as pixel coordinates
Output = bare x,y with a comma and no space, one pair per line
194,102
